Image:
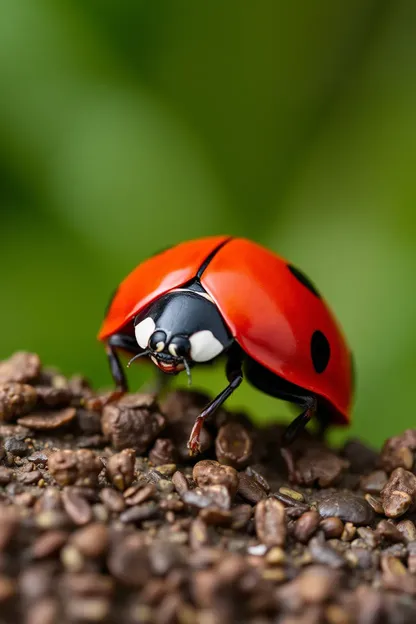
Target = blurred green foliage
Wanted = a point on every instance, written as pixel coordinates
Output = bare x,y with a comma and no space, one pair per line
128,126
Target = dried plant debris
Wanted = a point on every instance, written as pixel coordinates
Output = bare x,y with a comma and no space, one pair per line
104,516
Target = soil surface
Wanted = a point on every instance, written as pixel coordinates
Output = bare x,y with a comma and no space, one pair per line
104,517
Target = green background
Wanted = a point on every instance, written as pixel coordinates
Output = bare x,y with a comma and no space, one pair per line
128,126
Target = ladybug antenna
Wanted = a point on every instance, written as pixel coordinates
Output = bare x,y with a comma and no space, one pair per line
188,371
138,355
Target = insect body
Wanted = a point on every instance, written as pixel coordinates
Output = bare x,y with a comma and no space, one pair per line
229,296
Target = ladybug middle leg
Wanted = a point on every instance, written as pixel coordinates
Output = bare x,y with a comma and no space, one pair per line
275,386
235,377
129,344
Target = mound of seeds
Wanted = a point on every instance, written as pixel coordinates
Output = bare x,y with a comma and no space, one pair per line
104,517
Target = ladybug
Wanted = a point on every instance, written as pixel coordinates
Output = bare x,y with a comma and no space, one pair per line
218,296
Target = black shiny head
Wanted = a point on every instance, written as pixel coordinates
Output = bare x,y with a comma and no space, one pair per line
181,328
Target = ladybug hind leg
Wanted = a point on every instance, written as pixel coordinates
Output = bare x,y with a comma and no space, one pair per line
273,385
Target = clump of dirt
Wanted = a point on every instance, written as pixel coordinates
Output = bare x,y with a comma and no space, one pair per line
104,516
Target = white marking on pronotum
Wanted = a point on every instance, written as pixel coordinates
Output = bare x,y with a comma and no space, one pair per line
143,331
196,292
204,346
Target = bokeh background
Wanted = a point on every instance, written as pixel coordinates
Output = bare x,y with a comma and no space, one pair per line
129,126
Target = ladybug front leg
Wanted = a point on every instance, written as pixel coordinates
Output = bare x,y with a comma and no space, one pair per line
117,341
235,377
127,343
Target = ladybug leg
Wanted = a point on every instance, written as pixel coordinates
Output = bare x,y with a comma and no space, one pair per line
293,430
119,341
300,422
235,377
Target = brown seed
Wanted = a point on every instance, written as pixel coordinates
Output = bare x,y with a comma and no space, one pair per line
407,529
79,467
210,496
261,480
318,465
6,475
49,544
296,496
375,503
134,422
209,472
216,516
16,446
167,470
249,489
128,561
349,532
275,556
139,513
51,499
140,494
92,540
36,581
314,585
374,482
180,482
163,452
30,478
89,423
396,576
332,527
270,522
399,493
45,421
323,553
20,367
120,469
113,500
16,399
198,534
87,584
347,507
7,588
50,396
306,526
397,451
369,536
241,514
40,457
51,519
388,531
411,561
77,508
88,609
8,525
46,611
233,445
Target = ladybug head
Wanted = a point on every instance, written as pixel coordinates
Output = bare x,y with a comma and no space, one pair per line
181,328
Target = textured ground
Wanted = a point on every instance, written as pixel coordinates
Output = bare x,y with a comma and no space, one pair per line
105,518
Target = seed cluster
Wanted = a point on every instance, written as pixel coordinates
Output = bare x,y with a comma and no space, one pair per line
104,516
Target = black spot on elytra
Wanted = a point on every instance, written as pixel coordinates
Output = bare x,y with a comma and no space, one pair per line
320,351
303,279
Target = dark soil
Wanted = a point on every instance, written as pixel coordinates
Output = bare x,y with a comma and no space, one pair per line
104,517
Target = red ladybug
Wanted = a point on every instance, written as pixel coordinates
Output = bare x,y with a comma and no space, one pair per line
221,295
